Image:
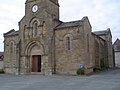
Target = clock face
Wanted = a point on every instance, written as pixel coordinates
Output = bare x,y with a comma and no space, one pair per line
35,8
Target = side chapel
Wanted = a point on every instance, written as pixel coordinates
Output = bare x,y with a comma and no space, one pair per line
45,45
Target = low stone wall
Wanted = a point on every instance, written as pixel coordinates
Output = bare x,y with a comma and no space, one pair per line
89,70
1,64
10,70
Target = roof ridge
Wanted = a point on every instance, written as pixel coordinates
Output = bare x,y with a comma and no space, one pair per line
102,32
9,32
69,24
72,21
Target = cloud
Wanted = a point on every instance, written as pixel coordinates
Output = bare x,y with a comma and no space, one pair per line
102,14
10,14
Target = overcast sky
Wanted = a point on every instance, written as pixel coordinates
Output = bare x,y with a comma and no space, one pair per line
102,14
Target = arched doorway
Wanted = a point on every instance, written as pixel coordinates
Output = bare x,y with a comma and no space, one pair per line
35,52
36,63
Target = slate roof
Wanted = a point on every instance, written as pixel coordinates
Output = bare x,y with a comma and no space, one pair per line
11,33
69,24
29,1
99,33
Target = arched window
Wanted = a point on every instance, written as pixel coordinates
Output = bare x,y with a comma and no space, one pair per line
35,28
68,43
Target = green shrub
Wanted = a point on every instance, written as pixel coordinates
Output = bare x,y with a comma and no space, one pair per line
2,71
104,68
102,63
81,71
97,69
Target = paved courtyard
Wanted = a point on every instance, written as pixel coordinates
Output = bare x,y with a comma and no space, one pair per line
108,80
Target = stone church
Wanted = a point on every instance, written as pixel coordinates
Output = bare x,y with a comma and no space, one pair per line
45,45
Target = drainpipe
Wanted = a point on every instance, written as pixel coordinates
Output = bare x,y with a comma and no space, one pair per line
19,50
16,51
50,56
54,67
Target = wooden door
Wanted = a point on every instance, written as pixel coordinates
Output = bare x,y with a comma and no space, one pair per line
36,63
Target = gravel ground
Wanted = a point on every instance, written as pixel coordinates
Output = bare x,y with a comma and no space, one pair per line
108,80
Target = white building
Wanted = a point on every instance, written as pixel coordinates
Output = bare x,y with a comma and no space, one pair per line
117,52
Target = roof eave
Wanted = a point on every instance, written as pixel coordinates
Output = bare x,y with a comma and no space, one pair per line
67,27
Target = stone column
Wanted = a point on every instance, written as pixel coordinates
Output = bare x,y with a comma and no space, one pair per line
49,56
17,59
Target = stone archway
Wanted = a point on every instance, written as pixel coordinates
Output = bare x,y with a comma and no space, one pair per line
35,59
34,52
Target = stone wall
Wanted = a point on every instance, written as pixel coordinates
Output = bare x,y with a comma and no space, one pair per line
109,48
87,39
68,61
10,54
1,64
99,52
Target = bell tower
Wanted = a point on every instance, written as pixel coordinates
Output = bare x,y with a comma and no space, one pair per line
51,7
55,1
36,30
43,11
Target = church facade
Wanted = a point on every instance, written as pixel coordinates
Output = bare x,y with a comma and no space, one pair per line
45,45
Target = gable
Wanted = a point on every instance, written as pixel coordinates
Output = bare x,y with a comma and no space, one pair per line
117,45
69,24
